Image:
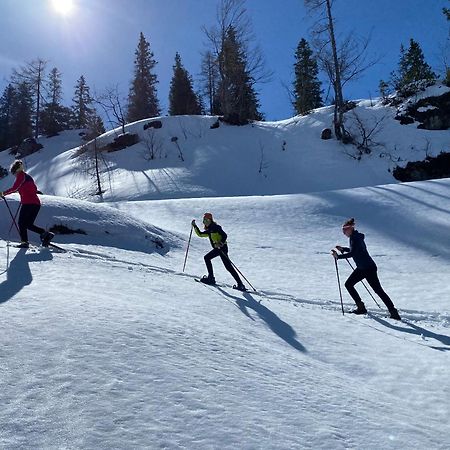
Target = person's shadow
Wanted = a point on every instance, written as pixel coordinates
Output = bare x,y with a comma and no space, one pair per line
18,274
280,328
419,331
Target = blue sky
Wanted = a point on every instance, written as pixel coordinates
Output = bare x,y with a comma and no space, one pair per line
99,38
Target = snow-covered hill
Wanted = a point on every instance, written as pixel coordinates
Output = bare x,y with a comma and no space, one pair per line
104,347
265,158
83,222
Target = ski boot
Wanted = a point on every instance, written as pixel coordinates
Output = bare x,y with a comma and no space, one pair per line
23,244
207,279
360,309
240,287
46,238
394,314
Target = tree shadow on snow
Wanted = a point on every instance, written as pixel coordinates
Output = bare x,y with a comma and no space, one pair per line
382,208
279,327
419,331
18,274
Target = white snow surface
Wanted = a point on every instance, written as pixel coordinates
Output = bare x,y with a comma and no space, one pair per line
112,345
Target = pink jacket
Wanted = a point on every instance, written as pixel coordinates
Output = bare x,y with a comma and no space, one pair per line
26,188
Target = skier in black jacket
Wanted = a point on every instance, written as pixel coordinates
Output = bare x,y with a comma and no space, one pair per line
218,239
365,268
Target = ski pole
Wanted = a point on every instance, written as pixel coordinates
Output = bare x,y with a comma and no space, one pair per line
339,284
12,217
240,273
187,248
367,289
15,216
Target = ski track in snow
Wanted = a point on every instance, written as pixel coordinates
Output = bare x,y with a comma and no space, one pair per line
409,317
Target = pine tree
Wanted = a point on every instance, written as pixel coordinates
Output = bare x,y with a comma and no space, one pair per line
33,75
21,113
54,117
383,88
307,92
182,98
446,12
412,68
82,109
6,110
236,99
142,98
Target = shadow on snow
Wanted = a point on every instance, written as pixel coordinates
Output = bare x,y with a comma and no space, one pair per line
278,326
18,274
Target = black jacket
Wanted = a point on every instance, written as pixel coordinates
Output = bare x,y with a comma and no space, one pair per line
358,251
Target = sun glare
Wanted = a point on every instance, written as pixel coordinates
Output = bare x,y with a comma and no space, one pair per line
63,7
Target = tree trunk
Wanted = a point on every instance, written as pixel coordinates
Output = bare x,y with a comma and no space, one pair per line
97,172
339,101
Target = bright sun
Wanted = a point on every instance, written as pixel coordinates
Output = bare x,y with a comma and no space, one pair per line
63,7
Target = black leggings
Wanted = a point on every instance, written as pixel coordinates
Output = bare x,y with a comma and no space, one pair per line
372,278
27,216
223,253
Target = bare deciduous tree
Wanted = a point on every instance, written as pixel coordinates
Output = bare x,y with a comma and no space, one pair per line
209,76
341,62
363,133
263,164
112,104
174,139
153,145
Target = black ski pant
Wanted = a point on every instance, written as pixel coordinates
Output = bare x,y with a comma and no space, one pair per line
372,278
223,253
27,216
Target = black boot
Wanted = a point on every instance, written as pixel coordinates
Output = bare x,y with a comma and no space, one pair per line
208,279
394,314
46,238
240,287
360,309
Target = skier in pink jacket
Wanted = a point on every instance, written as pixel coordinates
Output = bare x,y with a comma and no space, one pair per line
30,205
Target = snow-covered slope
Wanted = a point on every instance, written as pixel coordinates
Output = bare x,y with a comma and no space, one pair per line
109,348
88,223
264,158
